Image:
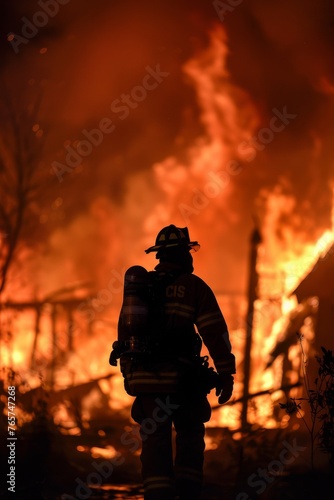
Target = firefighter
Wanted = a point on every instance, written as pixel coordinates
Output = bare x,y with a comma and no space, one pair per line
163,369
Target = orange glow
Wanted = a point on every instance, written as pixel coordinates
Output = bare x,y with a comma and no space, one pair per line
83,364
195,185
106,453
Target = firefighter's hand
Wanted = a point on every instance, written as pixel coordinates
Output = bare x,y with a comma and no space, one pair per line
224,388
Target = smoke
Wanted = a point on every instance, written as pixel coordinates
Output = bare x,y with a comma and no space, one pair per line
204,148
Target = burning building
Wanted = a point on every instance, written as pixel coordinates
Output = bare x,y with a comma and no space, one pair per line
318,286
131,116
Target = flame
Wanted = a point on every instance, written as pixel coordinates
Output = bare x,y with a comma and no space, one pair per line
194,186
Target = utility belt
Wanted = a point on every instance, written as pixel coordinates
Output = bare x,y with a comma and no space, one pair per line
147,371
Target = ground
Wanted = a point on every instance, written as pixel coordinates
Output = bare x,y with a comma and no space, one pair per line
53,466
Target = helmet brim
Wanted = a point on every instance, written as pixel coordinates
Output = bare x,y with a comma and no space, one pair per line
193,246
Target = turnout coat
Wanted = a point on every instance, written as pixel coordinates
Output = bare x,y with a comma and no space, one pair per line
185,312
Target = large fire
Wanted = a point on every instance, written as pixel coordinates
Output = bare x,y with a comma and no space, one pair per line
196,185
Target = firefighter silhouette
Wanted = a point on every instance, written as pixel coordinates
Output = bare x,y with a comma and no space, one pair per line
165,316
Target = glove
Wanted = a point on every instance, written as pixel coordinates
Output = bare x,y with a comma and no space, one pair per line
224,387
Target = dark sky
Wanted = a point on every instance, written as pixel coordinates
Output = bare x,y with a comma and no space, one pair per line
212,119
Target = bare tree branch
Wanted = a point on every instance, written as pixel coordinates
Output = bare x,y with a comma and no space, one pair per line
20,179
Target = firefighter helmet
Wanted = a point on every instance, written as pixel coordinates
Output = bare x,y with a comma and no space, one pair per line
172,236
